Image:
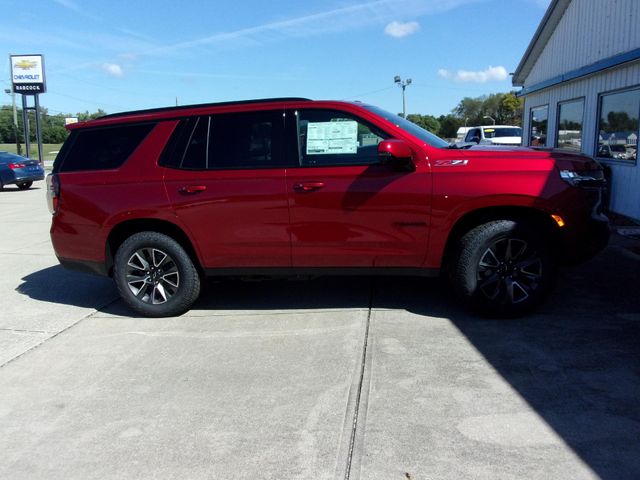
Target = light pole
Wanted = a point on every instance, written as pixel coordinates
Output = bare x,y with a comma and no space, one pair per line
15,118
490,118
403,84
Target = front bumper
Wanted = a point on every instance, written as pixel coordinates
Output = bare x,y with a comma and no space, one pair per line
582,244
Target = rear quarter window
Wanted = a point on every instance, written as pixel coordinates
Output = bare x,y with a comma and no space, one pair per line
100,148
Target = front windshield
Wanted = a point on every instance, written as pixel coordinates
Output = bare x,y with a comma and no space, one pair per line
410,127
502,132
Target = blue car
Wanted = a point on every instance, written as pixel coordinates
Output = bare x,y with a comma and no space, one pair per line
19,171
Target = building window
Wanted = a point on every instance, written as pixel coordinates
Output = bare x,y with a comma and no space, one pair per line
618,126
569,129
538,123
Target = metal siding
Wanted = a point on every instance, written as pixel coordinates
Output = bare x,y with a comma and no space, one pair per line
625,198
590,30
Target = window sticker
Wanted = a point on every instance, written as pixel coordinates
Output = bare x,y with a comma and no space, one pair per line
332,137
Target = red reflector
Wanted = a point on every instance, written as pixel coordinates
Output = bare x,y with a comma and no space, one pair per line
13,166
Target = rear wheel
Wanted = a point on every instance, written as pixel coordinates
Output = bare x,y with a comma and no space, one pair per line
504,268
24,185
155,276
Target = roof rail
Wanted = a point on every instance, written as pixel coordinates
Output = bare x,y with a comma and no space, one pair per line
202,105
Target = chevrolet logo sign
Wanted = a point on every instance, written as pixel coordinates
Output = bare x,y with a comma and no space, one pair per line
25,64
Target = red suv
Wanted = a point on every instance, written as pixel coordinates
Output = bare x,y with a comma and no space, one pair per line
157,199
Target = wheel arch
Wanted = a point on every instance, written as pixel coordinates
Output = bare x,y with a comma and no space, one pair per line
123,230
480,216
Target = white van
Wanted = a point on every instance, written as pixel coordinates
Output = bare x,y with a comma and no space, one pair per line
494,135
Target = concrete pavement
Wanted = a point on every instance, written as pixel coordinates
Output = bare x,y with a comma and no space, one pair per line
267,379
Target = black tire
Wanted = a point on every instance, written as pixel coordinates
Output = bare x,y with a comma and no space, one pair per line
155,276
24,185
504,268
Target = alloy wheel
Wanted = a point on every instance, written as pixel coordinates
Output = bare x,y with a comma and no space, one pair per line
509,271
152,276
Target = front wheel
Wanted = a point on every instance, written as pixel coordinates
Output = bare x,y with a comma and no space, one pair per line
504,268
155,276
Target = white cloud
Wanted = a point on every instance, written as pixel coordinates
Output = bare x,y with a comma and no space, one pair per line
491,74
68,4
113,69
399,30
343,19
73,6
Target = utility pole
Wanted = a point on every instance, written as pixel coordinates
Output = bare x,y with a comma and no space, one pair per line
490,118
403,84
15,120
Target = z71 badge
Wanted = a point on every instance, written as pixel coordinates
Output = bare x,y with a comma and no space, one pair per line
451,163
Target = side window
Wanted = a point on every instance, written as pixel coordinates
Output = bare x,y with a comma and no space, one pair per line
473,136
101,148
174,152
195,155
331,137
246,140
227,141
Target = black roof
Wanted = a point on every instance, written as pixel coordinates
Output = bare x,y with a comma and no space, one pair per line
202,105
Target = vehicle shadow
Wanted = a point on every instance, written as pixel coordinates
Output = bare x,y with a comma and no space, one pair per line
58,285
576,361
13,188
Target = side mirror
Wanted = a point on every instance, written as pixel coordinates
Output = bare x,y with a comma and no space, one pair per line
396,153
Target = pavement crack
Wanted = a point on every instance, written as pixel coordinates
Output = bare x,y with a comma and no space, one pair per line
19,330
58,333
363,360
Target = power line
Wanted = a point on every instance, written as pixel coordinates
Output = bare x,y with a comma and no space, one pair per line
90,102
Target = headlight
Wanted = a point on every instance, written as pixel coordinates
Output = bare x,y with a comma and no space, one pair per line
589,178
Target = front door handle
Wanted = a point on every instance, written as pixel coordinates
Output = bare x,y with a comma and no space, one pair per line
191,189
308,186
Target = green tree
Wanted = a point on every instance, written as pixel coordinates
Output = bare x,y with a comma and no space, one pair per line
85,116
428,122
52,126
449,125
7,132
511,108
470,110
504,108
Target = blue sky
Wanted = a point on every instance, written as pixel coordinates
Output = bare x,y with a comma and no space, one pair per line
122,55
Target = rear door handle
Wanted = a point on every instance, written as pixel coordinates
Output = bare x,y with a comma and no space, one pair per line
191,189
308,186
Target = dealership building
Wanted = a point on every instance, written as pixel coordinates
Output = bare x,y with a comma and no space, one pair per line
580,79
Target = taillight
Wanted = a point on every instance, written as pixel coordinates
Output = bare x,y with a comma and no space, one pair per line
13,166
53,192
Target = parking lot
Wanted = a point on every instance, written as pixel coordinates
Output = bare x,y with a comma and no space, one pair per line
362,377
